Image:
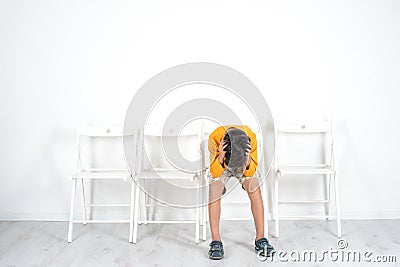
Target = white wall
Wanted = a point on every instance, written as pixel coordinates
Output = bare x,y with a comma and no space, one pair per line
66,61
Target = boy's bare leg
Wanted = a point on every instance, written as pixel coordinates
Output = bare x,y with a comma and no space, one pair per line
257,206
214,208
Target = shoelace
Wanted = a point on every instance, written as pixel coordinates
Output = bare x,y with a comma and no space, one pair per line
215,247
264,243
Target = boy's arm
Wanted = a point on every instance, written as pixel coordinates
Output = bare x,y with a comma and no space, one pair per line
251,169
216,168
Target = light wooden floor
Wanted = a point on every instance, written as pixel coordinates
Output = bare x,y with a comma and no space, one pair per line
44,243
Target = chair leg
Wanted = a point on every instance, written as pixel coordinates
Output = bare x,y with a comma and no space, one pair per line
204,236
143,203
204,207
328,196
131,212
197,236
197,230
339,226
266,207
201,201
83,202
271,191
71,211
276,205
136,214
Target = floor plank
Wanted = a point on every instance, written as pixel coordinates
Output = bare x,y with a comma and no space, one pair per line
44,243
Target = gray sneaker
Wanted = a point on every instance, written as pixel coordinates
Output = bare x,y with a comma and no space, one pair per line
265,247
216,251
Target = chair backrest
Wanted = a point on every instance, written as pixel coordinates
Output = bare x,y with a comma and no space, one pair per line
152,140
318,131
87,134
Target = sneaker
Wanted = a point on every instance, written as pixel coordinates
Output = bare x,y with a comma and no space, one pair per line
216,251
266,249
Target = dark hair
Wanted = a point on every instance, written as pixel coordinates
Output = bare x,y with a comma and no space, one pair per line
237,145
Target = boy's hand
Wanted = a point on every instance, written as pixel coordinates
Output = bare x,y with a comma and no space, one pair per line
221,151
248,154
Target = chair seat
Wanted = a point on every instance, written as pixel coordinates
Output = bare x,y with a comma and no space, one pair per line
283,170
106,174
165,174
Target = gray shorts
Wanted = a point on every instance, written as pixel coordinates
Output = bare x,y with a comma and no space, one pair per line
225,176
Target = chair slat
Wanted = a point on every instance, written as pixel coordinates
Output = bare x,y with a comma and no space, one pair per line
101,131
306,127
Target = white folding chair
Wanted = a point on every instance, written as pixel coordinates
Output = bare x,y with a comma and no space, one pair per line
154,173
206,176
325,169
86,173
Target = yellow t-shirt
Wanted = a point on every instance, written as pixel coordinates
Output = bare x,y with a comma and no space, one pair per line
214,140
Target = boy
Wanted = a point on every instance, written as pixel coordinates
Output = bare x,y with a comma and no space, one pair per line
233,152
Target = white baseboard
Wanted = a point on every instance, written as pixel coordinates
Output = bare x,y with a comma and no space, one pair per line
18,216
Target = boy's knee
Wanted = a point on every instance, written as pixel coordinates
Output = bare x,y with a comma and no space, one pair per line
215,190
251,185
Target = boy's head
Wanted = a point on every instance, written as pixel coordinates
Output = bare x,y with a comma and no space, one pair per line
235,152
